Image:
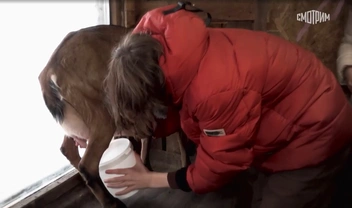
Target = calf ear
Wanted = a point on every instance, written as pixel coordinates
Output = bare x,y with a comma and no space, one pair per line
54,100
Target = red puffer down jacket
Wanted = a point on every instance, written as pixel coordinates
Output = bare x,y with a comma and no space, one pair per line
246,98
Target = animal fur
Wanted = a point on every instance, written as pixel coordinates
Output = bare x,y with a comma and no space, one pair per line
73,78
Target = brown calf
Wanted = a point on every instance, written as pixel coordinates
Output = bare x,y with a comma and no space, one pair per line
73,79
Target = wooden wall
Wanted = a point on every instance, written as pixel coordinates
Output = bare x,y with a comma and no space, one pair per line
274,16
323,39
225,13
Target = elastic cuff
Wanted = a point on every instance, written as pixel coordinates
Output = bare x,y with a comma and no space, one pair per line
178,180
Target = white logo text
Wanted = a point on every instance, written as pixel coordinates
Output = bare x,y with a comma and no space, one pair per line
313,17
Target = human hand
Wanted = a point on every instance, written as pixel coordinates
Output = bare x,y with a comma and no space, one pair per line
348,76
137,177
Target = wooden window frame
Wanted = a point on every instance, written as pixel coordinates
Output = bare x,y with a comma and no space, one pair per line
49,193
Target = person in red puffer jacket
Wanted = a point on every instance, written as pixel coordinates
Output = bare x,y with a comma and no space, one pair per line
246,98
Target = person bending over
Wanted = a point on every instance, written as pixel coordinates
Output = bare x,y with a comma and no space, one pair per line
246,98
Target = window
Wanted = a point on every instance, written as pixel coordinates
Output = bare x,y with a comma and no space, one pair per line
30,156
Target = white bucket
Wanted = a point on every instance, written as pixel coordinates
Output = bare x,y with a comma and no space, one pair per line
118,155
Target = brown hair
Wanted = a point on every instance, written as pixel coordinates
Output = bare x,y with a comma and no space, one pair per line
135,85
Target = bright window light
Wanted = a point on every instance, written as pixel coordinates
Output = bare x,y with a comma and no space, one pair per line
30,138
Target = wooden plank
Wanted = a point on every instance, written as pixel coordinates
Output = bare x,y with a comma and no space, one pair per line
228,10
50,192
143,6
115,12
244,24
220,10
129,13
79,196
261,15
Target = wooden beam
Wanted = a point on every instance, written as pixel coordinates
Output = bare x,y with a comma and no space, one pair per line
220,10
261,15
115,12
129,12
245,24
51,192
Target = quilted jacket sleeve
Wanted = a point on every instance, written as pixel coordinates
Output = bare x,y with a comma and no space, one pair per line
345,50
219,158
